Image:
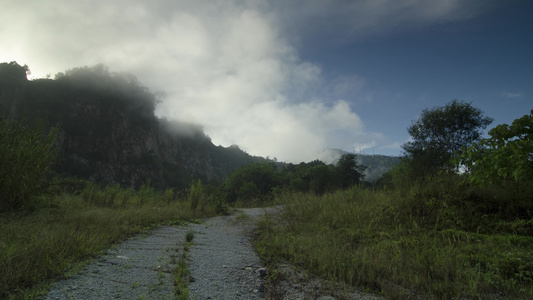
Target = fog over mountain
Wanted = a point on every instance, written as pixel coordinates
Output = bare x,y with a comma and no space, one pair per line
376,165
278,78
107,130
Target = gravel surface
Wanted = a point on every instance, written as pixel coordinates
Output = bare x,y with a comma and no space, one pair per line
139,268
221,261
222,264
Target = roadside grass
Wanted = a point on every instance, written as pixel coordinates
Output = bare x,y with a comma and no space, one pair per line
240,218
402,245
181,272
65,230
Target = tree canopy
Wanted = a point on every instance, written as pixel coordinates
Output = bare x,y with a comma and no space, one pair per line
442,131
349,173
506,155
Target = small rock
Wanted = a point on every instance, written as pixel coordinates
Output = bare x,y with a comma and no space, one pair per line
262,271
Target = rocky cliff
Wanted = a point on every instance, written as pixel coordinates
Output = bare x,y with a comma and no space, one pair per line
108,131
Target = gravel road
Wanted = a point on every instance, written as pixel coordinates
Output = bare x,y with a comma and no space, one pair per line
138,268
221,262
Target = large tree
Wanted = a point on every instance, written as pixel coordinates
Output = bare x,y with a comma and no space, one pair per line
252,181
506,155
349,172
442,131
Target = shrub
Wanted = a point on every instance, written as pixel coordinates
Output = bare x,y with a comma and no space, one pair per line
26,153
195,193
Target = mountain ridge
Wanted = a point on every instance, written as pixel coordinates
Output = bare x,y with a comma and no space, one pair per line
376,164
108,131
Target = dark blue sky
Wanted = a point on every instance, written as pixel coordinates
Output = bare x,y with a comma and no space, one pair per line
487,60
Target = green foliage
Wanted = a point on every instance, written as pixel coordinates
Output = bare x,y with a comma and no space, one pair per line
26,153
181,272
251,181
399,177
506,155
248,191
71,227
102,116
314,176
349,173
442,131
195,194
319,178
437,241
377,165
262,181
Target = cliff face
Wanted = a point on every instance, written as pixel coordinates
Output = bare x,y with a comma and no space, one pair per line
108,131
12,85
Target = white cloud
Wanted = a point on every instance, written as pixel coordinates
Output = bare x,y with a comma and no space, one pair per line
511,95
393,146
228,65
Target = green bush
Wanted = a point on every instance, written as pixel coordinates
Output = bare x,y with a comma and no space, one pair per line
506,156
195,194
433,241
26,153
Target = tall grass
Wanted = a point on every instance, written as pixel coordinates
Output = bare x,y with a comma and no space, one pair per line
41,246
402,244
25,155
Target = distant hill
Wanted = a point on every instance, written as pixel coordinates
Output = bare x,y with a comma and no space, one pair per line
108,130
376,165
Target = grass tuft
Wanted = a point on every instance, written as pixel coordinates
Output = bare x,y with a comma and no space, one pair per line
399,245
41,246
181,273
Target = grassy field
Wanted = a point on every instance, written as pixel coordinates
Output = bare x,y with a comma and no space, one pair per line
65,230
437,242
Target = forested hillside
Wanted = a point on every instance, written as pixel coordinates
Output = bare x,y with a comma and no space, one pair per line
376,165
108,131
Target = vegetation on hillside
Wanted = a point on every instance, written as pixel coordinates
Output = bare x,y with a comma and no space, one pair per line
258,183
439,133
454,219
49,225
507,156
75,222
26,153
448,233
107,130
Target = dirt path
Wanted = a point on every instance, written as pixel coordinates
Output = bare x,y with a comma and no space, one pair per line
138,268
221,261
